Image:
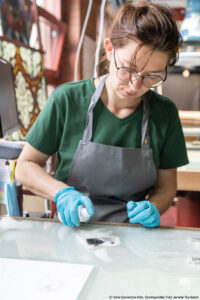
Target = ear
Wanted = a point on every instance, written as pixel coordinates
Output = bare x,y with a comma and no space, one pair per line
109,48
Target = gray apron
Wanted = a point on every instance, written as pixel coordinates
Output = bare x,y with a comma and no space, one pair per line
110,175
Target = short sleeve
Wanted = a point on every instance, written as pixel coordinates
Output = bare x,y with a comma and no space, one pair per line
173,153
46,132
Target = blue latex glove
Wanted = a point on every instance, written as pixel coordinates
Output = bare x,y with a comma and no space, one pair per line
67,202
143,212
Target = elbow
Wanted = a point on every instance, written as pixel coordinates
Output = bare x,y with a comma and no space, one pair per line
19,172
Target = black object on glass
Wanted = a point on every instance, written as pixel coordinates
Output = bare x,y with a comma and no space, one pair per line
97,241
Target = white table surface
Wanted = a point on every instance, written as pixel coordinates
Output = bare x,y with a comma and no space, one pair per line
143,263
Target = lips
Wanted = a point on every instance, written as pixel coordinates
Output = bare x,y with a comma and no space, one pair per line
129,94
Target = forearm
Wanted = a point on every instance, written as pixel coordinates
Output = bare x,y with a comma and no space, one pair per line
165,190
162,198
33,177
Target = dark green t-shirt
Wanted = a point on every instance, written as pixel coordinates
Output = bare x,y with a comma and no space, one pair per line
61,123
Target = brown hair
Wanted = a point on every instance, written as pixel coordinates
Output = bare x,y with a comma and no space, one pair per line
149,24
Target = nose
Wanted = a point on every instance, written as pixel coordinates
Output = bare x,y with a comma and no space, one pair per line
136,82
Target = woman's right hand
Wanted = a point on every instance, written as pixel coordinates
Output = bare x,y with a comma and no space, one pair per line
67,202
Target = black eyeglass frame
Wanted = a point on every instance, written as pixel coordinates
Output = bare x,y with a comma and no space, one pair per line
142,76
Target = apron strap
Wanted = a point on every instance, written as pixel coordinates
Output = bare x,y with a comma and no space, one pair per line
145,124
87,136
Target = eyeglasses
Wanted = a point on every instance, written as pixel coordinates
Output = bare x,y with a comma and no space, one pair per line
149,81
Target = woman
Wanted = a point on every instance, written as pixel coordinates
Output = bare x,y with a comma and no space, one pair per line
118,143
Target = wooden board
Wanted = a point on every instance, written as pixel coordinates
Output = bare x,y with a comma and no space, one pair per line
188,180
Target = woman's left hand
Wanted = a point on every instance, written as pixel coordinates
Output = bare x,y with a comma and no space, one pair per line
144,213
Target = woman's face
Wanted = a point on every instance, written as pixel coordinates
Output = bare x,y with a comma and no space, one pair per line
146,63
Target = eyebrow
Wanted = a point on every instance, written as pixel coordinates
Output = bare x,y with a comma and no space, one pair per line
128,62
156,71
159,71
148,72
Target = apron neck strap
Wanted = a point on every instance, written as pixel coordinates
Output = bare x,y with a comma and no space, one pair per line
87,136
145,124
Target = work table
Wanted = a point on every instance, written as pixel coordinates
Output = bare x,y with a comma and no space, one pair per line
140,262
